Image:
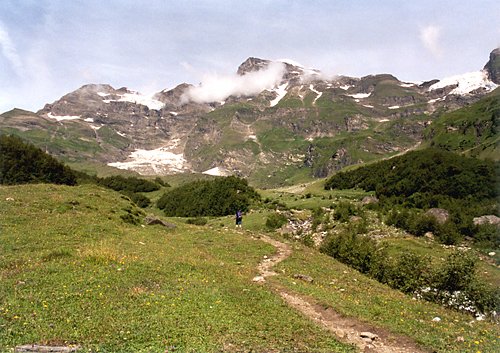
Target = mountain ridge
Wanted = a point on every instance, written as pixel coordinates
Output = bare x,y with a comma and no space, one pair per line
298,125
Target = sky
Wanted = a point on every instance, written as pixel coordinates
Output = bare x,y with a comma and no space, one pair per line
51,47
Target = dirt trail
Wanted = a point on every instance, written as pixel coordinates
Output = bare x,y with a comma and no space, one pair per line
350,330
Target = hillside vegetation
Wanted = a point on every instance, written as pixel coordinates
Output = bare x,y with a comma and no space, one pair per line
472,130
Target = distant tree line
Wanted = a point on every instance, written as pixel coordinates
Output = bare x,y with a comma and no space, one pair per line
410,184
22,163
218,197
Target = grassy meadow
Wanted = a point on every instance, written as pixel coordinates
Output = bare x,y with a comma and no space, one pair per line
73,271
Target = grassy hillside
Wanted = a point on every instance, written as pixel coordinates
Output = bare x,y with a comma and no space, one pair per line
472,130
72,271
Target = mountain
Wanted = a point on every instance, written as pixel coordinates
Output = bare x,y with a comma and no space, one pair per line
277,123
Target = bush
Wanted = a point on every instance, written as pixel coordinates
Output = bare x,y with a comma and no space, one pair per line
218,197
22,163
275,221
198,221
129,184
344,210
487,236
139,199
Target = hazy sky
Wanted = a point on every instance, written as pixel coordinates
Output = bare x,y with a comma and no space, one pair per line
51,47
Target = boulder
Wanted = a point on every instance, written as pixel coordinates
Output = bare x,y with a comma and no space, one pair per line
440,214
150,220
489,219
369,199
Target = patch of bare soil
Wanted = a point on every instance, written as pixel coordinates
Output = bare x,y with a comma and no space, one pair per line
366,337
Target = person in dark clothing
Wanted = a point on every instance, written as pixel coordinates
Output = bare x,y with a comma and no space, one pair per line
239,218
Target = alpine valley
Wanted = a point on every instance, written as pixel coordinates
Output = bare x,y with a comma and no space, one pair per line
286,124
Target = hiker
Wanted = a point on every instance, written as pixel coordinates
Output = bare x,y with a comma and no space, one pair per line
239,218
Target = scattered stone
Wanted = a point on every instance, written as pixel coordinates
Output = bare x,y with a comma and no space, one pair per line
258,279
369,335
489,219
265,257
492,253
429,235
9,199
436,319
150,220
440,214
305,278
369,199
45,349
460,339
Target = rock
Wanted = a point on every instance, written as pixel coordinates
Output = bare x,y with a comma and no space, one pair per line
440,214
492,67
368,335
355,219
436,319
258,279
45,349
302,277
460,339
9,199
369,200
429,235
150,220
488,219
492,253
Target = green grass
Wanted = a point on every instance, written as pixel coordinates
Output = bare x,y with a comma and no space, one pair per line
352,294
71,271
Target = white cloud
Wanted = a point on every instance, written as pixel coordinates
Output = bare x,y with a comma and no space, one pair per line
216,88
430,36
9,51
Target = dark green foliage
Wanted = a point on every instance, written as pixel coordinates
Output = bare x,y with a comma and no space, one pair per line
419,180
429,172
22,163
275,221
132,215
411,273
344,210
198,221
161,182
488,236
139,199
318,216
129,184
218,197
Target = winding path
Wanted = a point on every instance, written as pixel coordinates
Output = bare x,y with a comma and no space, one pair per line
365,337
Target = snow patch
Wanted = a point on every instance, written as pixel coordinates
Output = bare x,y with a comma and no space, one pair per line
102,94
89,120
466,83
360,95
158,160
394,107
383,120
367,106
63,117
216,171
137,98
252,137
406,84
345,87
121,134
318,93
281,92
436,100
174,113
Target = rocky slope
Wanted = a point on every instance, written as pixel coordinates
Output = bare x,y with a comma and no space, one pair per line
284,124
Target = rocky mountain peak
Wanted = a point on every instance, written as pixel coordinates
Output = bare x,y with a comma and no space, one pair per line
252,64
492,67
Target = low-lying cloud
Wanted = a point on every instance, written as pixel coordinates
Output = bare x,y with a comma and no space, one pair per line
430,37
217,88
9,51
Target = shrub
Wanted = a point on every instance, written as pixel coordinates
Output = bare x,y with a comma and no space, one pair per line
218,197
344,210
275,221
129,184
139,199
198,221
22,163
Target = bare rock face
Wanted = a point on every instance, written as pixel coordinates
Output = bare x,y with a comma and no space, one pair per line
251,65
493,66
